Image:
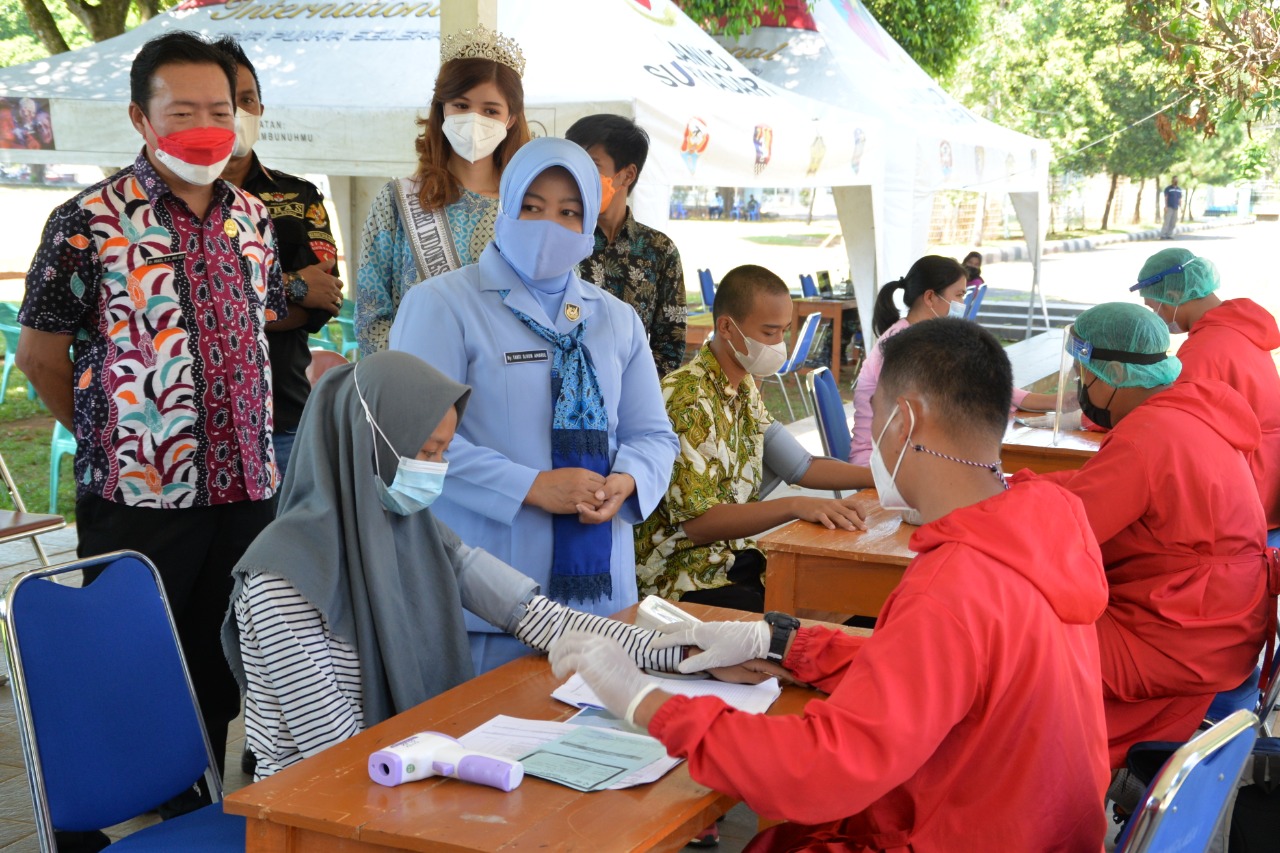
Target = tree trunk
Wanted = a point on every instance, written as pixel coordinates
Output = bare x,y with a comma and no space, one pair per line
1159,196
103,20
1186,206
43,25
147,9
1137,205
1106,211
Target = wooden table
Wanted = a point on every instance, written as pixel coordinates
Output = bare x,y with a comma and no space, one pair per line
327,803
1033,447
830,309
814,568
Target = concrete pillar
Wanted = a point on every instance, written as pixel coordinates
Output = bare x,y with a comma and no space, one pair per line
456,15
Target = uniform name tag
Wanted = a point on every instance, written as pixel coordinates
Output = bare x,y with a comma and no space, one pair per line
167,259
526,356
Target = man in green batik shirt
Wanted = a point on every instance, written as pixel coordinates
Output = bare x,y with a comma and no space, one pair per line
697,546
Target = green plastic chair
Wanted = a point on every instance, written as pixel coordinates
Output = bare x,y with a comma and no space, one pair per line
10,329
346,321
63,443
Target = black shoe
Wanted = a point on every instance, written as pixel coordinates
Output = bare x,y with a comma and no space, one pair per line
248,762
80,842
189,800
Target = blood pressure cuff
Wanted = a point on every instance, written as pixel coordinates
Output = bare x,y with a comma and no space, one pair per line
783,455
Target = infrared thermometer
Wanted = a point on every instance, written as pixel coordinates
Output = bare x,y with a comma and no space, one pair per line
433,754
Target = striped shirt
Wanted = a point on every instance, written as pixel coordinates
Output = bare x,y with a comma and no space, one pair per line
303,690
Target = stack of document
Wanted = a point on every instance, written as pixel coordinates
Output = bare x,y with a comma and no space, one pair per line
595,751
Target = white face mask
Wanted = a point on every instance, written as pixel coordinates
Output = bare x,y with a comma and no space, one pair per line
473,136
886,483
761,359
246,132
1172,323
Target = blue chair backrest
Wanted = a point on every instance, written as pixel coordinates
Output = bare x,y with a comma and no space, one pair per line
708,288
1185,801
827,405
804,341
807,287
973,303
114,720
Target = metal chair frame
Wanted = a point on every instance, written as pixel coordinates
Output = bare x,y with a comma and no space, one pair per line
1154,824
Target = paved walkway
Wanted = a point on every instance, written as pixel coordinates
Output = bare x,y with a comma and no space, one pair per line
1018,252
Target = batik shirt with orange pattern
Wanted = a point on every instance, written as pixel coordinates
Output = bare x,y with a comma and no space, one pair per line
172,384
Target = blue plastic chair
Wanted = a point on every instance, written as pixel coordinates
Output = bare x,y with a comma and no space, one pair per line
108,720
799,354
708,288
807,288
63,442
1186,800
973,302
828,408
1258,694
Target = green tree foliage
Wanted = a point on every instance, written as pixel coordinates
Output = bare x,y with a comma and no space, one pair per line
34,29
18,41
936,33
1224,54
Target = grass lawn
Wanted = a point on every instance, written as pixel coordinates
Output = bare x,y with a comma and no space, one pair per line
801,240
26,428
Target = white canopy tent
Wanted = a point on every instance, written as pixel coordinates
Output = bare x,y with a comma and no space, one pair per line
838,53
343,83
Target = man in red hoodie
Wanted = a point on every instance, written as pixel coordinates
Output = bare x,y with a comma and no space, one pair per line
1230,341
1170,498
982,674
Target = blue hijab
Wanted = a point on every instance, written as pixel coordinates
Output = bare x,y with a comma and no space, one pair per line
543,255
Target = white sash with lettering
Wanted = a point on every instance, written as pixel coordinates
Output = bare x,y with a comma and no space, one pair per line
428,232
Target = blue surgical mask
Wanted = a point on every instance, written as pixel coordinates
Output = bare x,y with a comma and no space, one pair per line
541,252
955,310
417,483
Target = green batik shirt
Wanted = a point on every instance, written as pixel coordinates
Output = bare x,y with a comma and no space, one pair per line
721,432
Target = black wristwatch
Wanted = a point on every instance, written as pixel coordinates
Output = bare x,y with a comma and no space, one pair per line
295,287
784,625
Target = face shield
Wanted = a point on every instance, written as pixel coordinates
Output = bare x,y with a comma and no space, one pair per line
1066,413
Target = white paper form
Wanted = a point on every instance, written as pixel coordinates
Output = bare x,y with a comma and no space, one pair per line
752,698
512,737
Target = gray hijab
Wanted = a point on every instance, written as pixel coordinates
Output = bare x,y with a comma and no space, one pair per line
385,583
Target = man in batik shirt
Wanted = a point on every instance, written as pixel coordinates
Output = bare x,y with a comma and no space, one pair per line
697,546
634,262
160,281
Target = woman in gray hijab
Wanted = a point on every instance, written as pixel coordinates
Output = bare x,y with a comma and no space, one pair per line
348,608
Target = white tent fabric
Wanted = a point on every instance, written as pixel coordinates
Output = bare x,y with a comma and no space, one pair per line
343,83
838,53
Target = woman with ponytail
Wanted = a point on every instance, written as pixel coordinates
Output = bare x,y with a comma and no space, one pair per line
933,287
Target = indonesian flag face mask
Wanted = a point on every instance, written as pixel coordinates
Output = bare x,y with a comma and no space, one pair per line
197,155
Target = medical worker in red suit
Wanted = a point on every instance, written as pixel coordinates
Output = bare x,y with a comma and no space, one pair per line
972,719
1170,498
1231,341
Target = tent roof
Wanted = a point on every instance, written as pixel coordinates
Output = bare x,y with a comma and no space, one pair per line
839,53
344,81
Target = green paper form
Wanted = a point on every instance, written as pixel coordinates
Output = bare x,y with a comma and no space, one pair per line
591,759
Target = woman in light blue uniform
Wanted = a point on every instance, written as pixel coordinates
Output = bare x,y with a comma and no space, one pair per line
566,444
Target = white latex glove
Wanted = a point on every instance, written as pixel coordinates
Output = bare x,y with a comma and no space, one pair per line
722,643
607,669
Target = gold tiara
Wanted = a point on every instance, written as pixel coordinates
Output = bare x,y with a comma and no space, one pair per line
482,43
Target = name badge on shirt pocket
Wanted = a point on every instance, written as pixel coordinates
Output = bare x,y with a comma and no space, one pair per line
527,356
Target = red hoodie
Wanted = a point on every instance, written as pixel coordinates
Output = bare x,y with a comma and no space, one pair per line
1233,343
981,678
1170,497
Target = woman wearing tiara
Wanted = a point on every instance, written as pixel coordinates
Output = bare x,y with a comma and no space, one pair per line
442,217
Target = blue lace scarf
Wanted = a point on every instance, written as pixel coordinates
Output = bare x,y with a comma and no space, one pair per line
581,553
